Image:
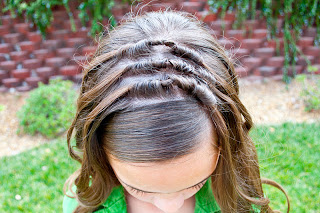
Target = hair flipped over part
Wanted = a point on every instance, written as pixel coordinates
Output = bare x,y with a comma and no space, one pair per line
152,85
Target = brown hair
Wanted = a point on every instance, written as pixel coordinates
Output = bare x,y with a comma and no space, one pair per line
146,95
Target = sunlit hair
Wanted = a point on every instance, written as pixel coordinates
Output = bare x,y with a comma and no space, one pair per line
146,95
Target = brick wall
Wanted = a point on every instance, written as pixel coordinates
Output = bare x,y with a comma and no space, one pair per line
26,59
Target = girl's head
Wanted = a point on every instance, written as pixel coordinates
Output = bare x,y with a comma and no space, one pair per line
170,184
159,111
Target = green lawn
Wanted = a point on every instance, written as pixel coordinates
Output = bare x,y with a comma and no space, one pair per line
37,176
289,154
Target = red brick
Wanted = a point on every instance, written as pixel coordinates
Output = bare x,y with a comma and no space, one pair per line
228,43
2,57
56,62
44,54
254,79
11,82
45,72
251,43
280,34
8,65
106,24
209,17
242,71
60,34
192,7
19,56
71,70
277,77
66,52
266,71
117,10
302,61
218,25
24,88
52,44
237,34
273,43
299,70
18,20
32,63
262,23
305,41
49,30
22,28
4,74
201,14
76,42
12,38
260,33
230,16
57,24
28,46
161,6
6,20
6,48
81,33
251,63
276,61
279,23
60,15
310,32
251,24
266,52
67,24
89,50
34,81
4,30
240,54
312,50
207,6
21,73
34,36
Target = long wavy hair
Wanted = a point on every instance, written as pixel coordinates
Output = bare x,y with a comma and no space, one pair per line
146,95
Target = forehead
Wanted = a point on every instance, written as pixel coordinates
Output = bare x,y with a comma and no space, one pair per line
172,175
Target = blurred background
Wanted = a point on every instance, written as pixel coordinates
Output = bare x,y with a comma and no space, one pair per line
44,45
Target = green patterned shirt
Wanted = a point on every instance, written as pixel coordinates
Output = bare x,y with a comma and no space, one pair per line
116,203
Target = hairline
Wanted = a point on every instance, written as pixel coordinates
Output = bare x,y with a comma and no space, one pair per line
205,179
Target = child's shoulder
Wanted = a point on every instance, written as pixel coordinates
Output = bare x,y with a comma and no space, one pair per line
69,204
115,202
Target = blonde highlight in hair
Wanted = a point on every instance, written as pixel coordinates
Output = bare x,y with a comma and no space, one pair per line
162,60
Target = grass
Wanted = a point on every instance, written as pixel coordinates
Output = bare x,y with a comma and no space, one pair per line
289,154
32,181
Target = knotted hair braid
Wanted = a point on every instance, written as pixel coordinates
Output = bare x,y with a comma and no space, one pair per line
135,50
188,84
144,46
